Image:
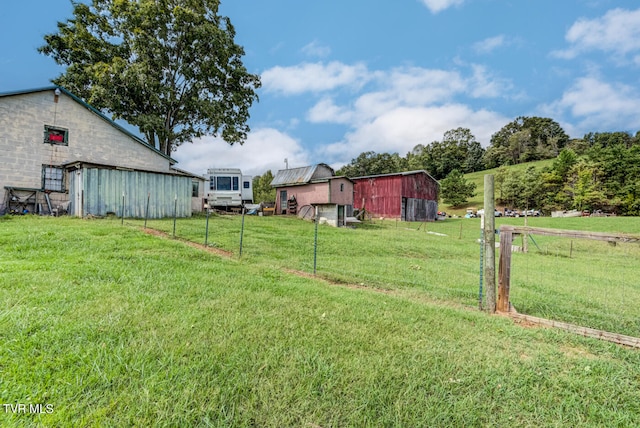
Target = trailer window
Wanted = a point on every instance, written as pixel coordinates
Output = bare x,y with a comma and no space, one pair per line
235,183
246,184
223,183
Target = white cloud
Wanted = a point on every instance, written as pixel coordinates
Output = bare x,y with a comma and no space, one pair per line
264,149
436,6
617,32
313,77
489,45
483,84
411,87
418,86
326,111
598,106
400,129
400,108
315,49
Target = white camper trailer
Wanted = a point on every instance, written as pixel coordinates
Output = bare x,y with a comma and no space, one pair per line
227,187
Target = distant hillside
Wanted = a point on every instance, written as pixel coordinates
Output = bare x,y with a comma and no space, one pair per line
478,178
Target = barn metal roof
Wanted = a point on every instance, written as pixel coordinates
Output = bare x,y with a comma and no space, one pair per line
420,171
303,175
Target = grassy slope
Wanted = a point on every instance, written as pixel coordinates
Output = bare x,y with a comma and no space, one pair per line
478,178
115,327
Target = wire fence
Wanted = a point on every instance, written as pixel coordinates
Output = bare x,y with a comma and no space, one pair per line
439,258
587,283
594,284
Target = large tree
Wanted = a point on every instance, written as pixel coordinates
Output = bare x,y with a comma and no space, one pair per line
458,149
262,190
372,163
525,139
169,67
455,190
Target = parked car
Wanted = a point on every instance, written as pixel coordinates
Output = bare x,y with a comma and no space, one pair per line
496,213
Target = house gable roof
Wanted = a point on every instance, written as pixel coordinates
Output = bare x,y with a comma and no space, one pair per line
93,110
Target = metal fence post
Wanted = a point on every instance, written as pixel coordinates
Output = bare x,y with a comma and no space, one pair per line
206,230
146,211
315,243
242,232
175,214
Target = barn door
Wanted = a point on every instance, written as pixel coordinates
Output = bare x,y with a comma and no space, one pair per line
77,190
283,202
341,215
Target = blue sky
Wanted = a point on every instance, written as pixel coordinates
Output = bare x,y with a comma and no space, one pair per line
341,77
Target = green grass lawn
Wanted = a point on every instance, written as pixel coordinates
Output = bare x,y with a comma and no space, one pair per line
112,326
477,201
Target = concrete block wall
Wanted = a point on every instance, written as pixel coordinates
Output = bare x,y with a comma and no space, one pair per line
90,139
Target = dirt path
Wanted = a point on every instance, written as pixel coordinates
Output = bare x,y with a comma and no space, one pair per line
222,253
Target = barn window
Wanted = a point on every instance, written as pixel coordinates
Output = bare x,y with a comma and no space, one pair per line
53,178
55,135
195,188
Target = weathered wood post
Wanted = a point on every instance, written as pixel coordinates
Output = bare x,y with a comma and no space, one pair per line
504,270
489,223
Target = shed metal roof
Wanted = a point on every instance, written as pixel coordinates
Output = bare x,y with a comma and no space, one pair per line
302,175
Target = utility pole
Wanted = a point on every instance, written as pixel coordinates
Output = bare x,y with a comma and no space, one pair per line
489,229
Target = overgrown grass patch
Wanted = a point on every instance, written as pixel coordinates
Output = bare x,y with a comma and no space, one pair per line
116,327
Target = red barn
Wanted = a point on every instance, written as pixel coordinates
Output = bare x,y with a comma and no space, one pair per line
409,196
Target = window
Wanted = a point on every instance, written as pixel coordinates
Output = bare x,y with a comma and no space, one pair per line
53,178
195,189
246,184
212,183
342,187
226,183
223,183
54,135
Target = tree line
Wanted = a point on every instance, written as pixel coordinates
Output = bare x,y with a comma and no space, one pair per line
596,172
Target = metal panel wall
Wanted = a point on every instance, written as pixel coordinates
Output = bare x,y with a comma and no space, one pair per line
100,192
419,186
398,196
419,209
381,196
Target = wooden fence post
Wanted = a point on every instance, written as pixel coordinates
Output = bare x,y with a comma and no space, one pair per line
489,243
504,271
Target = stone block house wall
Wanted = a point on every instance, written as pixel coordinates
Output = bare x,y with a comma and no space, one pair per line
44,129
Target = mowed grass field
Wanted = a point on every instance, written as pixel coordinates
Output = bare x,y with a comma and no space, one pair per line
104,324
